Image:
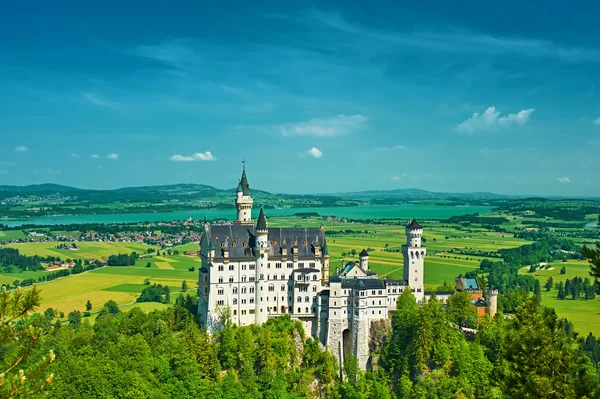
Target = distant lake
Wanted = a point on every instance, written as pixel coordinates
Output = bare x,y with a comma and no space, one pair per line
404,211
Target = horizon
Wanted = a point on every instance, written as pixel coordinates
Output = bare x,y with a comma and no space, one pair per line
319,98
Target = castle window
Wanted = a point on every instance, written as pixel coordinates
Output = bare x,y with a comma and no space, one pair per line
243,267
306,299
311,264
262,276
299,310
293,243
216,237
380,302
418,290
231,279
235,301
314,288
252,290
252,267
231,267
283,276
235,290
233,244
222,244
243,279
251,311
243,301
283,289
243,311
245,243
251,300
220,302
373,292
304,242
220,268
299,299
220,291
206,290
314,310
306,310
380,292
372,312
220,279
278,265
271,288
272,242
314,277
299,277
243,290
301,265
261,299
290,265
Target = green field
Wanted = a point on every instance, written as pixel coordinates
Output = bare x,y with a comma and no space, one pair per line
86,249
585,315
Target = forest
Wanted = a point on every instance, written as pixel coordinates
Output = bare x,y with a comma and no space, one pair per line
165,354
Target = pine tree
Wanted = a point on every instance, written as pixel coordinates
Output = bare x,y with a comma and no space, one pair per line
537,291
184,286
593,257
549,284
88,305
563,270
561,291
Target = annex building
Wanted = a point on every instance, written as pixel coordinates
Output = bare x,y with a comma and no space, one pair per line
260,272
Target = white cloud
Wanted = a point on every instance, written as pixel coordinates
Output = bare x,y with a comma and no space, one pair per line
396,147
74,155
564,180
199,156
315,152
95,156
491,119
53,171
112,156
21,148
597,121
95,100
334,126
398,177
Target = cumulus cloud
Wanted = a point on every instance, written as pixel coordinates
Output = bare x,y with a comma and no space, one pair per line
112,156
491,119
199,156
564,180
396,147
21,148
315,152
95,156
398,177
334,126
597,121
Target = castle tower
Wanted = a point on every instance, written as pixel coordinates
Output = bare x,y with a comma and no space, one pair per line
364,260
262,260
243,200
491,302
414,258
325,262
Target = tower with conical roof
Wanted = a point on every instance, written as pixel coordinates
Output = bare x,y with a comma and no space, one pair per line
243,200
261,250
414,258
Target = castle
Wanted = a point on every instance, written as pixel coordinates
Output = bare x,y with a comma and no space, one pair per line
260,272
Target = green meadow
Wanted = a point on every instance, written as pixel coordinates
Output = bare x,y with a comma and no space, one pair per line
585,315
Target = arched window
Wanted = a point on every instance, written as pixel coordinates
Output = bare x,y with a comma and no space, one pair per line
299,299
314,277
412,255
235,290
306,299
283,288
231,279
274,277
314,288
243,290
262,276
235,301
306,310
271,288
220,279
422,254
283,276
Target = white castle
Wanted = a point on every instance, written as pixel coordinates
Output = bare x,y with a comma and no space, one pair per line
260,272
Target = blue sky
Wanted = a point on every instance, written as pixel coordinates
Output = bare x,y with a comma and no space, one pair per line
317,97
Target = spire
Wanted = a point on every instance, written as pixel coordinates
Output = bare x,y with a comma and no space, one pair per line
244,181
325,250
363,253
239,187
205,219
413,225
261,224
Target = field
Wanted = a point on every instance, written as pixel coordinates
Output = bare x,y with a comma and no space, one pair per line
86,250
585,315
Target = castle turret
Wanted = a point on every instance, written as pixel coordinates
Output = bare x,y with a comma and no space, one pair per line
491,301
262,261
414,258
364,260
243,200
325,262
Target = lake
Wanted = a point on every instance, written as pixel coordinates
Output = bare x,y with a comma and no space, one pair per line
404,211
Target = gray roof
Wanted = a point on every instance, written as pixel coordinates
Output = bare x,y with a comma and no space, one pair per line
244,183
363,283
261,223
363,253
413,225
238,234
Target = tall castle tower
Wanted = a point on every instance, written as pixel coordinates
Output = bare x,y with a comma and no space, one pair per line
414,258
243,200
262,261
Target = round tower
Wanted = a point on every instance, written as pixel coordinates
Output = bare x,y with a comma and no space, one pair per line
243,200
491,302
261,251
364,260
414,258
